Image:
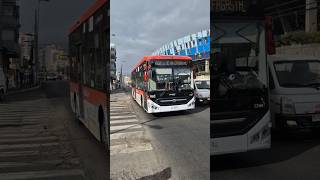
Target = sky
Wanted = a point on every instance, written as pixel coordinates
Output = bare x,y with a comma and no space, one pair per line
142,26
56,16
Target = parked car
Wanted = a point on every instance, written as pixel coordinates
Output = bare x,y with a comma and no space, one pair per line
3,85
52,76
294,92
202,90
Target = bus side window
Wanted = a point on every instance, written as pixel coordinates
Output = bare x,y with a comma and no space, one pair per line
271,81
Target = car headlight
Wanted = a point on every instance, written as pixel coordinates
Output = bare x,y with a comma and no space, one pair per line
287,106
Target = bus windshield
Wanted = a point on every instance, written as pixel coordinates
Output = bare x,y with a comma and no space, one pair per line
170,79
236,68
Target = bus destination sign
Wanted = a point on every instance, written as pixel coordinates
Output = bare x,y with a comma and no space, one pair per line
235,8
170,63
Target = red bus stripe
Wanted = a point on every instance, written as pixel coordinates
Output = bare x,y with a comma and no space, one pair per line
97,5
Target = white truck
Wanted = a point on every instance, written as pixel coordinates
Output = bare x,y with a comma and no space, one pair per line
3,86
294,92
202,89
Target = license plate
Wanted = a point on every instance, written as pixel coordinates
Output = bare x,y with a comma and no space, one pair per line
174,107
316,118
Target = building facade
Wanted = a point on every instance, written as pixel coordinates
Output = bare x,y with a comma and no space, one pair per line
53,59
196,45
9,35
113,67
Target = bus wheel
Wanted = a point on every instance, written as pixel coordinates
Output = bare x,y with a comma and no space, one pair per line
102,127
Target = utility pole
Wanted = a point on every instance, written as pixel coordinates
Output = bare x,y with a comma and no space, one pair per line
36,36
36,41
121,78
311,24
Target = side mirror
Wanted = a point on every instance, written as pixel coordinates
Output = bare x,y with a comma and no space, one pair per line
153,73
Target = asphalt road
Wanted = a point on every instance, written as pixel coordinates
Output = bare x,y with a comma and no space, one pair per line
182,137
294,156
78,154
180,143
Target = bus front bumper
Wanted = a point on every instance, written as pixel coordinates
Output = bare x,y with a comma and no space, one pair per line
155,108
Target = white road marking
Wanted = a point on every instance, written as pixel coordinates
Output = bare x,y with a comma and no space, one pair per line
121,117
126,149
124,121
18,153
17,146
126,135
123,127
30,139
41,174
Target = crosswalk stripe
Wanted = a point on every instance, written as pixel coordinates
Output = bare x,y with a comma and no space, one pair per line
126,149
124,121
30,139
23,135
123,127
120,135
41,174
121,117
41,162
18,146
18,153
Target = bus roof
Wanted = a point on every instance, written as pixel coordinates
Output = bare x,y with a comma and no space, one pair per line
162,57
87,14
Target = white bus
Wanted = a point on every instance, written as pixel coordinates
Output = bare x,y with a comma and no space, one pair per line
240,114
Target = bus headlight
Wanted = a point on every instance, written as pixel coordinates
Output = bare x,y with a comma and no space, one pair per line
152,96
287,106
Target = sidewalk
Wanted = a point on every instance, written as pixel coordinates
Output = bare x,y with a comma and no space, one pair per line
21,90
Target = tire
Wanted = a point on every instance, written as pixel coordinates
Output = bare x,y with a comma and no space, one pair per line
103,131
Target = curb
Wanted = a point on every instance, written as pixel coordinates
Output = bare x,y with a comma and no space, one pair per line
23,90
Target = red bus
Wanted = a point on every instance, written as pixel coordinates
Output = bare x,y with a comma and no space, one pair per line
88,57
163,84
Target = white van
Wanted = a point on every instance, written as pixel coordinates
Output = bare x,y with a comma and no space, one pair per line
294,91
202,89
3,86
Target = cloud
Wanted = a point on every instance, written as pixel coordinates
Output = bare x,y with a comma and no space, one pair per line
142,26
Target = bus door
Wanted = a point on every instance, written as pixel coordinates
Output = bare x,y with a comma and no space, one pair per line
145,88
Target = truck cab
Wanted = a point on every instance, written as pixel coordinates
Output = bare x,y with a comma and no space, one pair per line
3,86
202,89
294,92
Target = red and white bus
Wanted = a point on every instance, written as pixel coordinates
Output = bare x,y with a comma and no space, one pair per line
163,84
88,56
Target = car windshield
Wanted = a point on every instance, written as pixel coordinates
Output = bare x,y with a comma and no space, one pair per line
302,73
167,78
202,84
